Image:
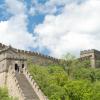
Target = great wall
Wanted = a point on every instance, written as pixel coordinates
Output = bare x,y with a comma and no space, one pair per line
14,73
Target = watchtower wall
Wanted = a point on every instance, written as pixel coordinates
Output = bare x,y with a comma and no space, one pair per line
38,58
93,55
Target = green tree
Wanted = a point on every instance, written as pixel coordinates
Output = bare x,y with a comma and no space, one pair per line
79,90
84,83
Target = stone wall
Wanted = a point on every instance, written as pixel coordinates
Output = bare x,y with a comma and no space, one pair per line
3,77
36,57
2,46
93,55
13,86
40,59
14,56
35,86
3,67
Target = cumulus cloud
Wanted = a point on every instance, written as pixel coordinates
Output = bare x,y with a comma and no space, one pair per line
14,31
49,7
75,29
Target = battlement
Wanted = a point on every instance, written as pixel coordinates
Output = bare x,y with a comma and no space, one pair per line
89,51
93,55
31,53
2,46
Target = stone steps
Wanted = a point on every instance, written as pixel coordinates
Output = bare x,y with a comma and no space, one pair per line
26,87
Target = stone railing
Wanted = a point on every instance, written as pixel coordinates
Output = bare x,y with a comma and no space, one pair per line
20,92
34,85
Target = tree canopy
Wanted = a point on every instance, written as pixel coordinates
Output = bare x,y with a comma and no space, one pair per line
57,84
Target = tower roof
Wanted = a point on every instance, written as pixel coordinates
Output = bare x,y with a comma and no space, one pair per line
6,49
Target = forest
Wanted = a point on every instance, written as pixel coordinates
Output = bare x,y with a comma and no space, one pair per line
74,81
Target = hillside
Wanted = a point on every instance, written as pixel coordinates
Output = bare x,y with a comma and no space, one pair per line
76,82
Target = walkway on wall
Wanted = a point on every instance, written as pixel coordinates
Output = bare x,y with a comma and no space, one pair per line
26,87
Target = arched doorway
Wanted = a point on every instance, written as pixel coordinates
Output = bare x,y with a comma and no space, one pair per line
16,67
22,66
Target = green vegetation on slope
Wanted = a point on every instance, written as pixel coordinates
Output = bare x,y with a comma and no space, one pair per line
76,82
4,94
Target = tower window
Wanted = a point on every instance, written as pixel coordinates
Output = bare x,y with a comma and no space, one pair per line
22,65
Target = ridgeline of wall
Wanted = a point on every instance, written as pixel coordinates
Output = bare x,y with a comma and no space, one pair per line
36,57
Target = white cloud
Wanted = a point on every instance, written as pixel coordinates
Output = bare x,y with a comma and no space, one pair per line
14,31
49,7
15,6
76,28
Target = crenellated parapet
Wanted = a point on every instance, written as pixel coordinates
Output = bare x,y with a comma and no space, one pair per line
87,51
90,51
93,55
35,86
30,53
14,88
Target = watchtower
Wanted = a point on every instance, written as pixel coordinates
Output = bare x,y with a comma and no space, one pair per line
10,59
93,55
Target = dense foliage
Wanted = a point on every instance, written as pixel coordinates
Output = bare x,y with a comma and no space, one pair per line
76,82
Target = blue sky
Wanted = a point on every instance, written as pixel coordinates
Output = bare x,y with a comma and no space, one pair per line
52,27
